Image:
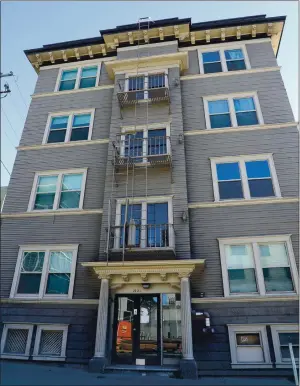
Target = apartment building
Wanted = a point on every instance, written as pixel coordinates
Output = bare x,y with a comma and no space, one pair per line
152,213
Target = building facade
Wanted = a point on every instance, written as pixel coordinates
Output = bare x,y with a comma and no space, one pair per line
152,212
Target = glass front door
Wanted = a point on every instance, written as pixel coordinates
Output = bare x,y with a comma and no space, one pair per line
137,330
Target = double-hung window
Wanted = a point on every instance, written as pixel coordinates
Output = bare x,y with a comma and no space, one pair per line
258,266
223,60
45,271
232,111
78,78
61,190
285,338
244,177
69,127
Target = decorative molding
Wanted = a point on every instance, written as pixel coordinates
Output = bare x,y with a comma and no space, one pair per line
150,45
74,91
246,299
279,200
64,144
80,63
229,73
163,276
242,129
218,45
52,213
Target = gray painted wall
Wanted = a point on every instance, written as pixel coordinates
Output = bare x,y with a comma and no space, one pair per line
163,49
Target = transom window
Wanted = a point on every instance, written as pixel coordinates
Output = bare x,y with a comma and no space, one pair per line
284,337
258,267
61,190
249,177
76,126
76,78
232,111
45,272
223,60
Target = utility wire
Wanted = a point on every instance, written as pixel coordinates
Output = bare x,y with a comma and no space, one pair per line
23,99
5,167
17,110
9,122
14,146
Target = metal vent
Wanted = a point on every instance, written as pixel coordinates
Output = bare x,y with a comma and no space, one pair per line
51,343
16,340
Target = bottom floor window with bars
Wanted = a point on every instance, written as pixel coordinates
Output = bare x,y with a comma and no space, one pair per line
16,340
50,342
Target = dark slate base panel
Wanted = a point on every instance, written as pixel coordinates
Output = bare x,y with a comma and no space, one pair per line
188,369
97,365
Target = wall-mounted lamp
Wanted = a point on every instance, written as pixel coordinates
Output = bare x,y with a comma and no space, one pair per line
184,216
180,138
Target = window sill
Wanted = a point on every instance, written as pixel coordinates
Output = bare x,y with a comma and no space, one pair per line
29,297
8,356
251,365
73,91
285,365
252,295
48,358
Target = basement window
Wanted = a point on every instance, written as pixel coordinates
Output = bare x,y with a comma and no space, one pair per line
283,336
50,342
16,340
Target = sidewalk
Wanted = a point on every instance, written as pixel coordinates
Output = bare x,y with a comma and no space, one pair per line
32,374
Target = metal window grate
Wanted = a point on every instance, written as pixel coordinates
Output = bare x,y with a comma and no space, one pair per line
51,343
16,340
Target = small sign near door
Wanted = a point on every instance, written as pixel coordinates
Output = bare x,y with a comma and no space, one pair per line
135,311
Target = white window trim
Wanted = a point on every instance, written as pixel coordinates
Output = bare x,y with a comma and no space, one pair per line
145,74
253,328
58,327
243,173
8,326
70,115
275,330
44,275
60,174
144,202
230,98
78,76
145,129
254,241
221,50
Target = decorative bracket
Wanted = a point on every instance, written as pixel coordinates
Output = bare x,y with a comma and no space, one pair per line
222,34
238,32
163,276
144,276
254,31
207,35
103,49
77,53
51,57
146,37
193,38
64,55
270,28
125,277
90,51
176,31
161,33
130,37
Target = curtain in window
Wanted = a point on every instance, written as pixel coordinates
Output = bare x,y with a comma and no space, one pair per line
234,54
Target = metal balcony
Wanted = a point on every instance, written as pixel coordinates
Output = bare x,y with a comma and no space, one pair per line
142,241
153,151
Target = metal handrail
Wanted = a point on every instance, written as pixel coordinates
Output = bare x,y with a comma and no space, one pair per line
151,85
294,364
142,147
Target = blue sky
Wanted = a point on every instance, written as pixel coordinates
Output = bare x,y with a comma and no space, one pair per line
31,24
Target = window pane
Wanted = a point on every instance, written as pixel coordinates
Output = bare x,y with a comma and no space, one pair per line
210,68
67,85
134,212
89,72
87,82
230,190
228,171
157,220
60,262
72,182
211,57
157,80
51,343
218,107
220,120
47,184
81,120
285,352
157,143
44,201
261,188
69,200
248,118
248,339
273,255
250,354
242,280
32,262
258,169
236,65
289,337
234,54
80,134
59,123
56,136
58,283
239,256
29,283
278,279
244,104
136,83
15,342
69,74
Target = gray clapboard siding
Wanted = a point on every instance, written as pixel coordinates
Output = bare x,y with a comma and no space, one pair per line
272,96
261,55
283,143
208,224
143,51
83,230
27,163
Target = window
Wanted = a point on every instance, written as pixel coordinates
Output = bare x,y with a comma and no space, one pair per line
148,224
78,78
258,266
244,177
232,111
283,336
16,340
142,84
57,191
69,127
223,60
45,271
249,346
50,342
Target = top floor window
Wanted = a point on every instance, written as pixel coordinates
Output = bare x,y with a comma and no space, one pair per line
78,78
223,60
145,82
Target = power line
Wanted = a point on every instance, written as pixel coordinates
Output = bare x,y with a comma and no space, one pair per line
5,167
23,99
17,110
9,122
14,146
